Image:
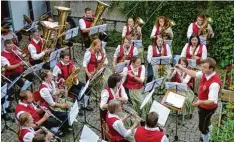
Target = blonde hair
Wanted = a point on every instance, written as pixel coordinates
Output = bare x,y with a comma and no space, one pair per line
23,95
94,43
113,105
23,118
157,20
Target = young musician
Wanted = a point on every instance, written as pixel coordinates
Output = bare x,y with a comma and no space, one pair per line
116,125
63,70
85,24
26,105
208,95
160,29
26,132
35,52
114,90
124,52
132,30
151,132
133,81
7,34
195,27
194,49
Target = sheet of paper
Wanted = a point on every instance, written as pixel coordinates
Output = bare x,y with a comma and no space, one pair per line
73,113
158,82
97,74
4,90
102,28
82,92
104,44
137,43
169,42
192,63
120,67
26,85
149,86
202,40
75,31
88,135
175,100
160,60
147,98
68,34
32,26
93,30
177,86
33,68
162,111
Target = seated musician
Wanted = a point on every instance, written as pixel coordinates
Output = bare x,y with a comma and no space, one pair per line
35,52
114,90
151,132
158,49
116,124
7,34
26,105
124,52
85,24
48,94
160,29
26,132
63,70
133,81
194,49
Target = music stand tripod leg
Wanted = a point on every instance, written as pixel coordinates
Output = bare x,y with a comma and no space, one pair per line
6,127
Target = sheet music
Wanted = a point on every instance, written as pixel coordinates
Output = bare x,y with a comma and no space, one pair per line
175,100
120,67
104,44
14,81
164,60
162,111
88,135
192,63
71,33
177,86
32,26
97,74
93,30
176,59
169,42
4,90
102,28
203,39
137,43
84,89
158,82
33,68
147,98
153,84
73,113
54,56
26,85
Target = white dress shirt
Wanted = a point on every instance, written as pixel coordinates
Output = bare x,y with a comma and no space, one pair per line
48,93
213,89
169,30
124,32
33,52
125,73
150,52
204,51
87,57
119,126
5,61
125,51
105,95
190,30
185,80
82,24
28,137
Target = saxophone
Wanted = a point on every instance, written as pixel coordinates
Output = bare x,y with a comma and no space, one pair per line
162,68
72,78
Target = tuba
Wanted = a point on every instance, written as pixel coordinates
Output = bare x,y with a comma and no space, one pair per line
49,37
136,35
204,28
62,14
168,23
98,13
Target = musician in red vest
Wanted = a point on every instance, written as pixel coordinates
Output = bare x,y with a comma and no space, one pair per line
26,132
209,88
62,71
114,90
116,124
159,27
85,24
194,49
195,27
127,29
151,132
124,52
35,51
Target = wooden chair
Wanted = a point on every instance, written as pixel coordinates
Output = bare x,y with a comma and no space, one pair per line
107,135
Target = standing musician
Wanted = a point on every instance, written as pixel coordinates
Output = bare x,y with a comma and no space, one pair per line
159,48
124,52
26,105
128,28
114,91
85,23
26,132
208,95
151,132
48,96
162,27
35,52
133,81
63,70
115,124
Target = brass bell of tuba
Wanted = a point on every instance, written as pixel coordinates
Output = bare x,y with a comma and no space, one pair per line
204,28
168,23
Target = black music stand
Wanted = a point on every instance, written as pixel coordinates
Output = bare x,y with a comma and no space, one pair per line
177,87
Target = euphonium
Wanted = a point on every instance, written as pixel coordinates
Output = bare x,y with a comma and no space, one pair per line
168,23
204,28
98,13
72,78
62,13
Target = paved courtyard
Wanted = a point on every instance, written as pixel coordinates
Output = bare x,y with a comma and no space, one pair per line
188,131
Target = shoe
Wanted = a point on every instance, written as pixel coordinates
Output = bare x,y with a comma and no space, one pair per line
88,108
80,113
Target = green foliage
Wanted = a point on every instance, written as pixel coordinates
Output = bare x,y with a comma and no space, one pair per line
114,39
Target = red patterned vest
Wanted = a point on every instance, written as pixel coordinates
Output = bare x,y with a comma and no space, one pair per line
176,78
163,52
204,89
93,63
121,53
88,23
28,109
128,32
131,83
199,53
23,132
195,28
66,70
37,47
110,121
143,135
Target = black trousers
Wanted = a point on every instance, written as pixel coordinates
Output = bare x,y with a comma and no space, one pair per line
63,116
51,122
45,66
86,41
204,119
75,90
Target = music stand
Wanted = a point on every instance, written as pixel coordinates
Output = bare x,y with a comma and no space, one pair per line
162,60
174,101
192,63
88,135
153,85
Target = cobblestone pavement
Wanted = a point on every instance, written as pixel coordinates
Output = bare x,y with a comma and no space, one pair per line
187,131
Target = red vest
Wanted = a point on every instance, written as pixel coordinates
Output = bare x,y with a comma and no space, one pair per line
131,83
163,52
88,24
121,53
28,109
23,132
65,69
13,59
37,46
143,135
176,78
195,28
42,101
128,32
199,53
93,63
112,131
157,31
204,89
111,96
